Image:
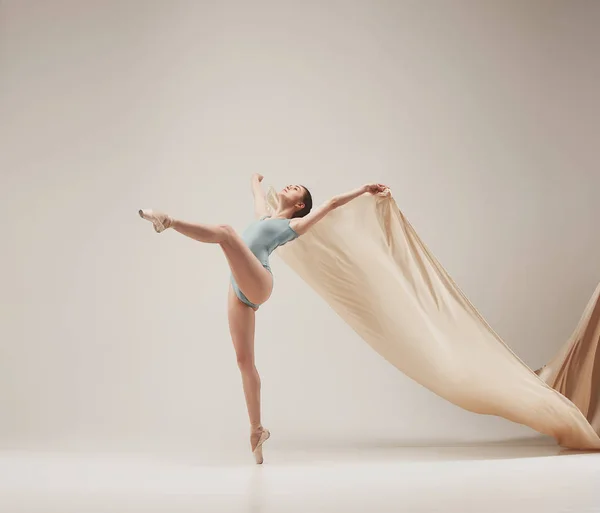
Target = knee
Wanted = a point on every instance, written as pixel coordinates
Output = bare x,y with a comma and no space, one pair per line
227,232
245,362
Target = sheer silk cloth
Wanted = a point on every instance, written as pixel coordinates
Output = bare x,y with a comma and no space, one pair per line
371,267
575,370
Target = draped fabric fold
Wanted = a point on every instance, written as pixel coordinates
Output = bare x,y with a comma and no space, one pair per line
575,369
368,263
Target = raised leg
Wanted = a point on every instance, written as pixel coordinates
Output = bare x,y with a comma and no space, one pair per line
252,278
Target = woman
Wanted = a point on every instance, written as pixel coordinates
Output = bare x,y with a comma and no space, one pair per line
251,277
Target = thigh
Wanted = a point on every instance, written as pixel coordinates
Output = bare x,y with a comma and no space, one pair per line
252,278
241,326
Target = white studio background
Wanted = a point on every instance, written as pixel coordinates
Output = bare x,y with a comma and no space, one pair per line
481,116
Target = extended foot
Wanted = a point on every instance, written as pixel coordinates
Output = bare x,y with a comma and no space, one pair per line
159,220
257,438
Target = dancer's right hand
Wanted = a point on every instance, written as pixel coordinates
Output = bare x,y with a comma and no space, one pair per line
258,176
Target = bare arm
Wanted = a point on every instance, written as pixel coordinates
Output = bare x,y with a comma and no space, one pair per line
303,224
260,202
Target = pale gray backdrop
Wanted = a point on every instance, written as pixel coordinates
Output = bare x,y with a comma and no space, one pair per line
482,116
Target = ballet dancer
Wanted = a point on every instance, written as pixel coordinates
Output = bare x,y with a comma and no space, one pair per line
251,282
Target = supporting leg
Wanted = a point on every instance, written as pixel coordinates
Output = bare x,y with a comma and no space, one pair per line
241,326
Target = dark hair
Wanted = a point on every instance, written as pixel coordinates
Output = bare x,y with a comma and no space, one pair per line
307,200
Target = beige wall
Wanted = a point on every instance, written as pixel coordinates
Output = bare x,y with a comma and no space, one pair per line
482,117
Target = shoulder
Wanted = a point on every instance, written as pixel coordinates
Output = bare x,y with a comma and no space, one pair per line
294,228
294,223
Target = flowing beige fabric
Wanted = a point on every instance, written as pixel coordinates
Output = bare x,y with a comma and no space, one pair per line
371,267
575,370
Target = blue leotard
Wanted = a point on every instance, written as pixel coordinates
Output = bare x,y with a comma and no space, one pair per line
263,237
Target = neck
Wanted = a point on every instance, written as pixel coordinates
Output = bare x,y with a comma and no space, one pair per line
284,212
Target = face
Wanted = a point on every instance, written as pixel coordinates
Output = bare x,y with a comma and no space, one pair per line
292,195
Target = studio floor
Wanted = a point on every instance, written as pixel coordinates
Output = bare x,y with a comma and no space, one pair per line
503,479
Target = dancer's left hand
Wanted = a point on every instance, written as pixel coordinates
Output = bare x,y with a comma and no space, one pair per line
375,188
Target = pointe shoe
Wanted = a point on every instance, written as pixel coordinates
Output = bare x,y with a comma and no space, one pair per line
159,220
258,454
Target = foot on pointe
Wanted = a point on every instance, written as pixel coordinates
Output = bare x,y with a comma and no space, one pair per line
257,439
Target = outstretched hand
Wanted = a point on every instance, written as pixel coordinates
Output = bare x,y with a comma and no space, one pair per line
375,188
258,176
